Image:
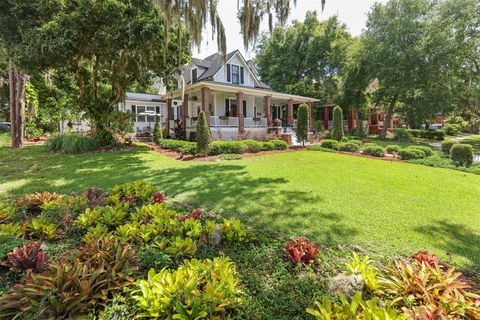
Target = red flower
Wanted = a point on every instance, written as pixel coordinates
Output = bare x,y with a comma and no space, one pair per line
158,197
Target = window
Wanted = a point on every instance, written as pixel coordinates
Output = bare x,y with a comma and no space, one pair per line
194,75
140,118
134,109
151,119
235,74
151,109
255,111
140,109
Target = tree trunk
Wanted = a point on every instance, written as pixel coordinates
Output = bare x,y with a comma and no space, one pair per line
12,101
358,123
388,115
16,82
20,106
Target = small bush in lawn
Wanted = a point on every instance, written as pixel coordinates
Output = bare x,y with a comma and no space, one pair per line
427,150
330,144
317,147
447,145
462,154
279,144
373,150
400,134
72,143
229,156
157,131
337,124
451,129
252,146
301,251
268,146
392,148
203,135
348,146
411,153
186,147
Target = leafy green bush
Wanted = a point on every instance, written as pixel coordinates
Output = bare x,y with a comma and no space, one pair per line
427,150
186,147
196,290
337,124
348,146
447,145
411,153
140,191
279,144
252,146
330,144
462,154
373,150
233,231
72,143
229,157
317,147
427,134
151,257
451,129
268,146
392,148
474,141
400,134
226,147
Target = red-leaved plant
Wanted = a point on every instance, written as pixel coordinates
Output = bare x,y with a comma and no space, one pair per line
426,258
29,257
158,197
195,214
301,250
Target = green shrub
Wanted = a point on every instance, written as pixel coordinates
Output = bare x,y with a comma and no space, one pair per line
157,131
462,154
252,146
447,145
186,147
204,139
400,134
268,146
392,148
233,231
196,290
427,150
153,258
317,147
348,146
279,144
474,141
8,242
411,153
302,123
337,124
140,191
330,144
227,147
373,150
451,129
72,143
230,156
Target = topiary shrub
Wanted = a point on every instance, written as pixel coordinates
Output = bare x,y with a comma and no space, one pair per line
252,146
451,129
279,144
203,135
349,146
337,124
178,145
447,145
462,154
268,146
157,132
302,123
330,144
317,147
411,153
392,148
427,150
401,134
223,147
373,150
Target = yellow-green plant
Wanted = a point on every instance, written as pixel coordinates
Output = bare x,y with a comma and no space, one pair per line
366,268
6,212
232,231
139,192
191,228
110,216
196,290
14,229
38,228
94,233
178,246
148,213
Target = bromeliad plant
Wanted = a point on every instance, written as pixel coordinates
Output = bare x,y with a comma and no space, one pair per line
365,267
196,290
30,257
137,193
301,251
32,203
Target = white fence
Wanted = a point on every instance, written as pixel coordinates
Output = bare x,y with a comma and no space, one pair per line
216,121
255,122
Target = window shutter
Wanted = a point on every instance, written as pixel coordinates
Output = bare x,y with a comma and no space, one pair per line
134,109
228,72
241,75
244,108
227,107
157,110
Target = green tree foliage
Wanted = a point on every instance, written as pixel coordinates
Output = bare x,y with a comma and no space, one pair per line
337,123
302,123
157,131
203,135
304,57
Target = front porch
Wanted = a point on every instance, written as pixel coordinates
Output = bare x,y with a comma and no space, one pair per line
234,112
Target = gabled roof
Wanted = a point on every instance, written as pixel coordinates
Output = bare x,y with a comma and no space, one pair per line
143,97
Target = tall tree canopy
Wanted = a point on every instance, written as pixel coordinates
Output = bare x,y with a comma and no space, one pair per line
301,58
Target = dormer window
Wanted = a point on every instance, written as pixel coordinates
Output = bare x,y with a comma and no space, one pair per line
235,74
194,75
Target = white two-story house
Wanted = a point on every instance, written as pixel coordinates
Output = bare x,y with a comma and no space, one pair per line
236,102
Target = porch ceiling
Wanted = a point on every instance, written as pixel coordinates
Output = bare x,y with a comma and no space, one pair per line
221,87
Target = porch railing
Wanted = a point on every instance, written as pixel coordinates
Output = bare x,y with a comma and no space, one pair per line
191,123
255,122
216,121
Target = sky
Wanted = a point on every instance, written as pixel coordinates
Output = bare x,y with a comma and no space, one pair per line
351,12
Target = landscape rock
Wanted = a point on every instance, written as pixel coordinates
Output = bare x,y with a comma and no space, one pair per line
346,284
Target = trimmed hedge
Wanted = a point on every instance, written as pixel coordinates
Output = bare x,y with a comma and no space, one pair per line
447,145
428,151
462,154
330,144
373,150
411,153
317,147
428,134
179,145
72,143
349,146
400,134
392,148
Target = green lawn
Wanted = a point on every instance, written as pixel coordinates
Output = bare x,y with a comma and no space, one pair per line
386,207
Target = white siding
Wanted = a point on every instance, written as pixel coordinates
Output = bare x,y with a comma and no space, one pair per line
249,80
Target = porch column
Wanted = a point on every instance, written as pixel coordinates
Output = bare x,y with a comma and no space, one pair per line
241,120
350,119
310,116
169,109
290,112
185,113
267,105
206,103
325,118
